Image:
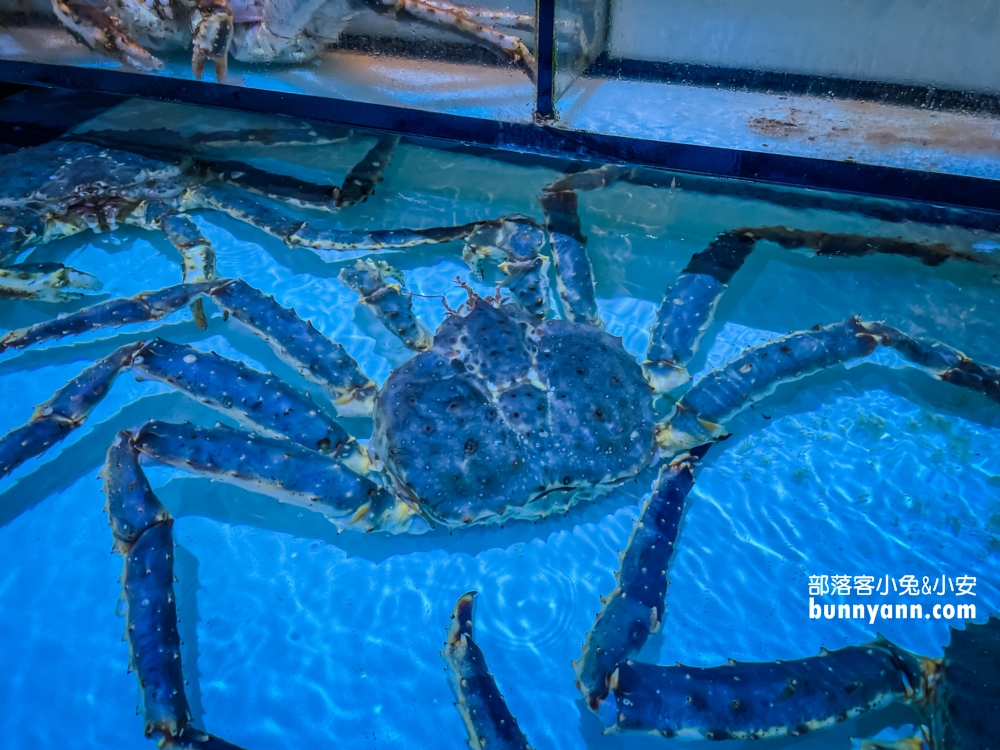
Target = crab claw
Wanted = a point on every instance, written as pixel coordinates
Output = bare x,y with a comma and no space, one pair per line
103,32
213,35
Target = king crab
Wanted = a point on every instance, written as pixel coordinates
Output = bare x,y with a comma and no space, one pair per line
554,401
268,31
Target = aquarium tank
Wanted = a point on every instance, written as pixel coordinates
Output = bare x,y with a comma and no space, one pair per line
404,443
580,374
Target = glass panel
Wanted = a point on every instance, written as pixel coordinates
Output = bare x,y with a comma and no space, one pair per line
581,28
906,84
472,408
426,54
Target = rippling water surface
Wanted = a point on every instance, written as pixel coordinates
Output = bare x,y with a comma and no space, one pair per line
296,637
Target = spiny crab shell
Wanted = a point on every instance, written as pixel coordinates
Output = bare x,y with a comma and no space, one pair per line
56,173
510,416
44,187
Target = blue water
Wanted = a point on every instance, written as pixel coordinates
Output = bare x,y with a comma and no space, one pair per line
296,637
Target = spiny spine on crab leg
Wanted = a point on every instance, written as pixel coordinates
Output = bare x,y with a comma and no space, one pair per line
687,309
391,305
728,389
488,720
574,274
141,308
741,700
253,398
300,345
635,609
280,469
144,538
46,282
516,241
68,408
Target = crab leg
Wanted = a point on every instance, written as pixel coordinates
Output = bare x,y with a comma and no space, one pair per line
294,192
198,254
516,241
253,398
46,282
144,538
361,180
103,32
278,468
688,306
299,234
687,309
68,408
141,308
857,245
300,345
297,342
165,143
212,28
358,185
442,13
636,608
941,360
196,251
728,389
18,230
506,18
574,274
591,179
757,700
391,305
486,716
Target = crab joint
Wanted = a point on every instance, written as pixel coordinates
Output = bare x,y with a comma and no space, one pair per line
665,376
671,440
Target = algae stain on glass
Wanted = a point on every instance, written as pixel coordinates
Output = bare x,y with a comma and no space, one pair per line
504,376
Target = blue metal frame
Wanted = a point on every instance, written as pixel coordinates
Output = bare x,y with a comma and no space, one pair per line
539,137
546,56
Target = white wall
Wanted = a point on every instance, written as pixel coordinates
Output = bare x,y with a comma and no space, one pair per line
945,43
